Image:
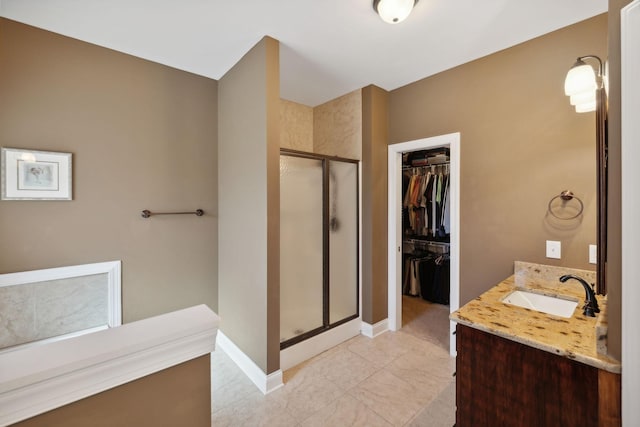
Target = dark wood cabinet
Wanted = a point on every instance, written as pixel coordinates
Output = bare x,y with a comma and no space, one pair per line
500,382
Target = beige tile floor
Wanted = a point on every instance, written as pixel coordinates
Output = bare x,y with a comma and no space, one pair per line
402,378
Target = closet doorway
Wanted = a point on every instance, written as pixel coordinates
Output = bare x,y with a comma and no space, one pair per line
395,229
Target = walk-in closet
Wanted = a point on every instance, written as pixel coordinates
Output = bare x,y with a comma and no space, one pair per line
425,243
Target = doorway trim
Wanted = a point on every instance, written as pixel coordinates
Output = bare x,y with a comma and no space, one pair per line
630,207
394,252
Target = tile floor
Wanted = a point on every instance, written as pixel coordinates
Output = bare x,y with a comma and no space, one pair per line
402,378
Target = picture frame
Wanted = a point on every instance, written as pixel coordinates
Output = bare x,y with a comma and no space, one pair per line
35,175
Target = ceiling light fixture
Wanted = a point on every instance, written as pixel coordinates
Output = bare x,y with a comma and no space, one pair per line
393,11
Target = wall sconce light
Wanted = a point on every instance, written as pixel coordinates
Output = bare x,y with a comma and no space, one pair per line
581,84
393,11
587,92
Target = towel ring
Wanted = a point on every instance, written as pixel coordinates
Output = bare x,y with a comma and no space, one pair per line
566,195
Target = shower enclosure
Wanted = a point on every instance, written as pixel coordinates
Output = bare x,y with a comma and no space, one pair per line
318,244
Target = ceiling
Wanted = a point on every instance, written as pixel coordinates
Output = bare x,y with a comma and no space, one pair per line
328,47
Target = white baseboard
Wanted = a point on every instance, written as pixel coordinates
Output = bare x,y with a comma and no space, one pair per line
265,383
372,331
298,353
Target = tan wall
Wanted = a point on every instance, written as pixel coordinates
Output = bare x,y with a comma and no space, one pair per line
296,126
614,230
337,127
143,136
375,112
521,144
248,152
177,396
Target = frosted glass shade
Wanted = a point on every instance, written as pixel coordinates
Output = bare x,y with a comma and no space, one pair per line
587,107
394,11
580,78
580,85
587,97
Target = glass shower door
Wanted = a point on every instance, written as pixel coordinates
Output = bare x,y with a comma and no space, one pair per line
343,240
301,246
318,244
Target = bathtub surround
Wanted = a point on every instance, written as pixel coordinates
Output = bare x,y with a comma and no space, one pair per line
51,303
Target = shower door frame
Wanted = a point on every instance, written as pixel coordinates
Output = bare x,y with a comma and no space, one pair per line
326,314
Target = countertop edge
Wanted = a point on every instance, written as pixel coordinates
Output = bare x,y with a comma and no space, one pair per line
609,366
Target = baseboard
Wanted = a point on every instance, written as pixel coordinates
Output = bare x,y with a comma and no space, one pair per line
373,331
298,353
265,383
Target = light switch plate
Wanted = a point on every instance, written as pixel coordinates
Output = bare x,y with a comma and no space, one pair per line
553,249
593,254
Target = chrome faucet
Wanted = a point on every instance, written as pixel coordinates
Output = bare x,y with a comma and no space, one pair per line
591,303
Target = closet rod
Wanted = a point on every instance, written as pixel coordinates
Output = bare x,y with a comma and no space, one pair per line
147,213
426,166
427,242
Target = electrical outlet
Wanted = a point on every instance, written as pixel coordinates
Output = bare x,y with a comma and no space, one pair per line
593,254
553,249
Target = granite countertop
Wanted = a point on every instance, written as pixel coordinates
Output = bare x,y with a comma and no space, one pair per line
579,337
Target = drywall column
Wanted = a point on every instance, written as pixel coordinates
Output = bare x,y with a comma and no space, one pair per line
249,204
375,103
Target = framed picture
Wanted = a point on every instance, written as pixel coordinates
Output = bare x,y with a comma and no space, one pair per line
35,175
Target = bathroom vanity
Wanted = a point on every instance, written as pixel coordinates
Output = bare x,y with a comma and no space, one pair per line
519,366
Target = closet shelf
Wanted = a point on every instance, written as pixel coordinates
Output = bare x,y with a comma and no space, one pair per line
430,166
411,245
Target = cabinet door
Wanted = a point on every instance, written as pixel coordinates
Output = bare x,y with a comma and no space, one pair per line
503,383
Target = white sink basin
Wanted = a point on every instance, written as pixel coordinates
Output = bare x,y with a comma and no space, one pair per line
538,302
